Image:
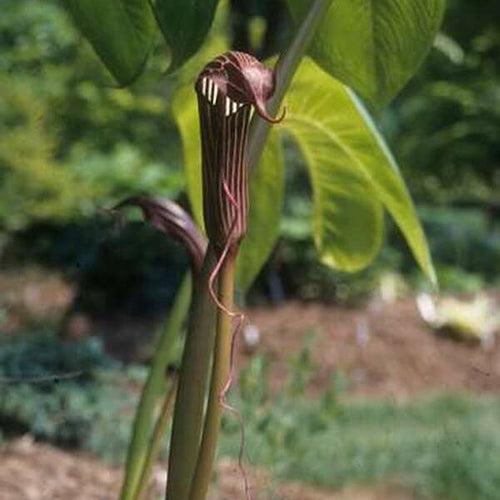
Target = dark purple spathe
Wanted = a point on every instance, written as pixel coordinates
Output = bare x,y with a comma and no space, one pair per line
228,89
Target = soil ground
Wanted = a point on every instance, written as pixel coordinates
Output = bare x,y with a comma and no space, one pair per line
386,351
34,471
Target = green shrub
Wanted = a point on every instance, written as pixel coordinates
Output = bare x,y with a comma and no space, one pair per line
75,395
465,244
56,164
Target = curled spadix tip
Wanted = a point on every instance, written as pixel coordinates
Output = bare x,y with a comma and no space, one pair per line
229,88
236,79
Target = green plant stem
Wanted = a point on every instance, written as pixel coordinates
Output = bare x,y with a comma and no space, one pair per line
285,69
193,377
220,375
156,441
143,423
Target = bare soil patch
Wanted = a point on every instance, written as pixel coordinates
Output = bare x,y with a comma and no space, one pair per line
385,351
34,471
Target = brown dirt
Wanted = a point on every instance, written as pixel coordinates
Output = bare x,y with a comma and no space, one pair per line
33,471
384,351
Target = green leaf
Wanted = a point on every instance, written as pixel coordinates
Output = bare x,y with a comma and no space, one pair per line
267,183
120,31
352,172
347,216
374,46
185,25
185,110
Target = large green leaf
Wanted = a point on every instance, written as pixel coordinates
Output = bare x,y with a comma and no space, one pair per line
374,46
348,217
267,183
120,31
351,170
185,24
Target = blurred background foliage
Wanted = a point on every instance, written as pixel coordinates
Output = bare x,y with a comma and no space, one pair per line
72,144
70,139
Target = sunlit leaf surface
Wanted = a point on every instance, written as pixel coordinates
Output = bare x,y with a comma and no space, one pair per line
374,46
352,173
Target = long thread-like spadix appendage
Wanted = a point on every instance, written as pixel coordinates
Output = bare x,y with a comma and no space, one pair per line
229,88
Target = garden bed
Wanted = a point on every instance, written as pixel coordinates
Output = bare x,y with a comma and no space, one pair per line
34,471
384,352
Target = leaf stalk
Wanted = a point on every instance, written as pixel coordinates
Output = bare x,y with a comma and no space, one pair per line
221,372
285,69
188,413
156,441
